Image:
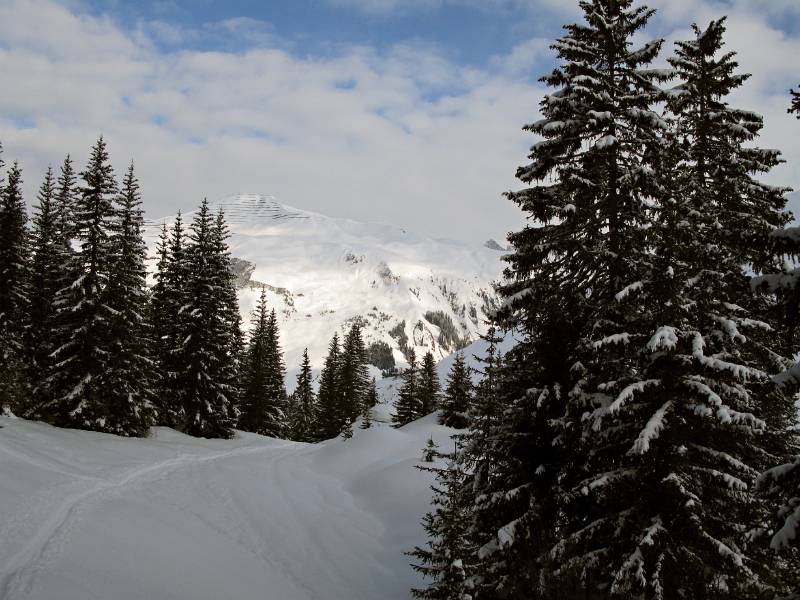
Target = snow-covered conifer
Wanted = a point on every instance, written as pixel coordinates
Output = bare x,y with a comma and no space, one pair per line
354,376
457,396
448,556
408,406
129,377
330,415
203,376
429,386
46,281
262,405
304,404
14,274
82,358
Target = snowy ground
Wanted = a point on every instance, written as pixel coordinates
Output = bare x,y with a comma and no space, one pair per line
87,515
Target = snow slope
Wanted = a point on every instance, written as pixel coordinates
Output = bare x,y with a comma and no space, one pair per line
323,273
87,515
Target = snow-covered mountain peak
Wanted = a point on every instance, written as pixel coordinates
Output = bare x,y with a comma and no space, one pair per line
323,273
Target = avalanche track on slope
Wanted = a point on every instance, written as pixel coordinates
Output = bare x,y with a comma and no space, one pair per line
89,515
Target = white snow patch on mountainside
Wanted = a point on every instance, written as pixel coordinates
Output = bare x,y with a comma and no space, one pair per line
89,515
323,273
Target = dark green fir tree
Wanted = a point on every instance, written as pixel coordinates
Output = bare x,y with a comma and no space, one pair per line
204,363
331,414
457,397
429,386
14,270
262,405
304,404
408,406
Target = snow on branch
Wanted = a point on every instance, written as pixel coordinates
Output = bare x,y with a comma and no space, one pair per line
628,393
651,430
739,371
617,338
634,287
665,337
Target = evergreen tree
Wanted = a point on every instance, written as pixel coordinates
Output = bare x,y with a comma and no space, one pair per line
448,557
83,357
354,376
14,245
331,414
795,107
66,197
457,395
205,365
429,387
262,404
128,396
370,401
231,318
46,280
601,151
170,295
304,404
408,406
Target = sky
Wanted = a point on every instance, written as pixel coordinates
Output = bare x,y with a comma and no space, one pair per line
406,111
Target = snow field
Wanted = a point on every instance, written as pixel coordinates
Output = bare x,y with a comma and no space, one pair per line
87,515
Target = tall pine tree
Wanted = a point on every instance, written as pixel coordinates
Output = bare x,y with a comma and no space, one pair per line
457,395
304,404
83,358
49,258
448,557
429,386
263,397
129,379
14,247
331,415
408,406
204,363
354,377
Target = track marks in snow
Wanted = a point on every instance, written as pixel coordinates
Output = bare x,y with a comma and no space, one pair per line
16,575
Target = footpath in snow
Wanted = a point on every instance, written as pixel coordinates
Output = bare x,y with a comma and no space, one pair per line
87,515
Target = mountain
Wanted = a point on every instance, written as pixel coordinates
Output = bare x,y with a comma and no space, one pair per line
322,274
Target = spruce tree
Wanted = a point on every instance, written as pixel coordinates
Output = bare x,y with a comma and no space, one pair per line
46,280
14,271
262,407
205,365
593,180
331,414
448,557
408,406
370,401
429,386
230,315
83,357
170,295
457,395
129,394
66,194
304,404
354,376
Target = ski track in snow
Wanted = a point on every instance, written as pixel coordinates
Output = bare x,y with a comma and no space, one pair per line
14,575
87,515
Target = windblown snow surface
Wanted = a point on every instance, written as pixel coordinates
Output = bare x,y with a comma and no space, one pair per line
87,515
323,273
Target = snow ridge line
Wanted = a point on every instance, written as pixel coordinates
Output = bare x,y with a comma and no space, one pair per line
12,572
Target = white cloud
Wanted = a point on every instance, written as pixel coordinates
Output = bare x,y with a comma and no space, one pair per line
363,134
